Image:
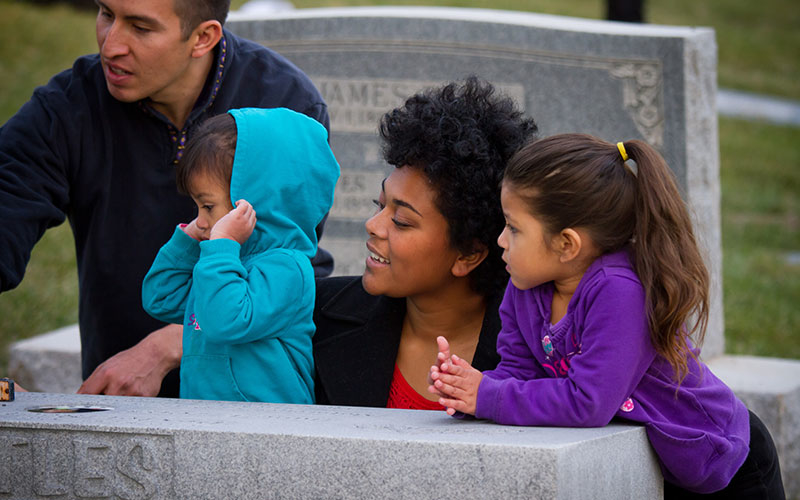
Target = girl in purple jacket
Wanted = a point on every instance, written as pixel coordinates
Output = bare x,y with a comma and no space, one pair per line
607,289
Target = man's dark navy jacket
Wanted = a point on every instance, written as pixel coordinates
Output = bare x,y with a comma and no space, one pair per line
75,151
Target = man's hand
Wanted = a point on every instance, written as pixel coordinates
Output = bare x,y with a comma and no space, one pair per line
459,382
192,230
236,225
138,371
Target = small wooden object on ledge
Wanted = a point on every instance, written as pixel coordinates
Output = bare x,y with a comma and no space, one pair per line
6,389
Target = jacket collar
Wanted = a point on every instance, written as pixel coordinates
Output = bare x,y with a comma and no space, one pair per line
357,358
341,305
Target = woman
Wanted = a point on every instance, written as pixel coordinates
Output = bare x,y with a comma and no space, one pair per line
434,267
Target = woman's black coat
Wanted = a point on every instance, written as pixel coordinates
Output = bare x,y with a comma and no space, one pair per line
357,338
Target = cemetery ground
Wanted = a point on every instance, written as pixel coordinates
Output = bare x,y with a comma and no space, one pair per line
759,51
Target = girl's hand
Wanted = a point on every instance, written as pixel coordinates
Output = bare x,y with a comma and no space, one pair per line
192,230
236,225
441,357
459,382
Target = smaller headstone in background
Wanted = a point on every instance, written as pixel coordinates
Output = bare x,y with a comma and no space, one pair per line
260,7
770,387
50,362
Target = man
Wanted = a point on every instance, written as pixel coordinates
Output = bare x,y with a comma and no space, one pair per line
98,144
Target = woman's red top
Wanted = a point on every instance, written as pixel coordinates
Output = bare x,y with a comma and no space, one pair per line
403,396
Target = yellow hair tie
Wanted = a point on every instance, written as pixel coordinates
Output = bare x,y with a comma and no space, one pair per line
622,152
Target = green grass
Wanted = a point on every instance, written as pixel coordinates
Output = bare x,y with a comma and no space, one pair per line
35,43
758,42
48,296
760,227
759,51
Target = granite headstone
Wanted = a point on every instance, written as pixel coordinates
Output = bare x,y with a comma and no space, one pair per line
615,80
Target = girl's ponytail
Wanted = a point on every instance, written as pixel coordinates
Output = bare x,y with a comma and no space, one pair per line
667,258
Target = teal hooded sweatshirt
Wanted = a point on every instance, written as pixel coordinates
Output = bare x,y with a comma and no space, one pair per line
247,309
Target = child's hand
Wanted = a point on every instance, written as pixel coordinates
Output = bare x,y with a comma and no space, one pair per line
441,357
236,225
192,230
459,382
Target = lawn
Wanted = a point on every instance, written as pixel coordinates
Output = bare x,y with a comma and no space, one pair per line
759,51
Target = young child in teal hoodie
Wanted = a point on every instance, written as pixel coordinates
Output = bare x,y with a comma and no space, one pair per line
240,279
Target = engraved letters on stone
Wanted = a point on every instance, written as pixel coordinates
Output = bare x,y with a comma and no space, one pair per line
85,465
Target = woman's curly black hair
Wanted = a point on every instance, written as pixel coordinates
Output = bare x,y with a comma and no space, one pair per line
461,136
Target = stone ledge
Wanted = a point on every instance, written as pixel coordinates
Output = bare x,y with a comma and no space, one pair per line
771,388
169,448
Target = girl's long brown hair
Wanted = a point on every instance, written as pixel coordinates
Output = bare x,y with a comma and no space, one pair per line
576,180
